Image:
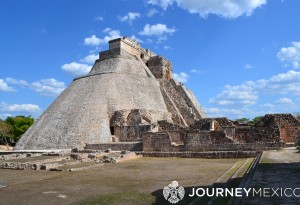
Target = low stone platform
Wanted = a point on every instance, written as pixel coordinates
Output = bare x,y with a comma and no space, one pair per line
116,146
209,155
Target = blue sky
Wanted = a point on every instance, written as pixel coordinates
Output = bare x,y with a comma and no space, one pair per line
240,58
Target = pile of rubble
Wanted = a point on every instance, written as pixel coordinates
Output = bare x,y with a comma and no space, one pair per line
62,161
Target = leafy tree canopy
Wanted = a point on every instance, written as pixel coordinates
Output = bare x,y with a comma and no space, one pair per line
19,125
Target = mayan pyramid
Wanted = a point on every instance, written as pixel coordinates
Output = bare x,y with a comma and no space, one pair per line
128,91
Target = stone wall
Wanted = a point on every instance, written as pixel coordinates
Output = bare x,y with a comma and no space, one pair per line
199,141
210,155
129,146
160,67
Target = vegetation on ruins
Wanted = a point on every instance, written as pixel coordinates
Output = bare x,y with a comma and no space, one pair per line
248,121
12,128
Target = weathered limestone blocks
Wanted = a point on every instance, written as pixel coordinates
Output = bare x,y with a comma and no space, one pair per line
128,90
209,155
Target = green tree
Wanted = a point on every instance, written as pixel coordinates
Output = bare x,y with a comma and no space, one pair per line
243,120
6,133
19,125
255,120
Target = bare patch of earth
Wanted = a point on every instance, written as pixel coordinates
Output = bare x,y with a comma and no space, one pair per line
138,181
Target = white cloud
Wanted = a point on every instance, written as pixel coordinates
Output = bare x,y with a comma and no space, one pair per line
239,95
196,71
76,68
287,101
248,66
30,108
90,59
99,18
222,112
4,86
152,12
248,92
290,55
136,39
16,82
162,3
156,30
227,9
130,17
268,105
181,77
95,41
92,41
167,47
49,87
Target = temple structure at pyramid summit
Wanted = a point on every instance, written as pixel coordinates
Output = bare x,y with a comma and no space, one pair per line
129,91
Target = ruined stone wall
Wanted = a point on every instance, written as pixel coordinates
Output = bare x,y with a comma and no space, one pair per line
164,125
209,155
130,46
159,142
199,142
130,146
160,67
288,134
242,134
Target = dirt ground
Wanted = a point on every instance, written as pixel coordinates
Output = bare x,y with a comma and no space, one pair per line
138,181
5,148
277,169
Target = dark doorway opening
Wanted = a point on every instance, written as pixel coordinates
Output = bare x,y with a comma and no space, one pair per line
112,130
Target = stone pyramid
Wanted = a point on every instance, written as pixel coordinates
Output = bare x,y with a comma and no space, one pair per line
127,92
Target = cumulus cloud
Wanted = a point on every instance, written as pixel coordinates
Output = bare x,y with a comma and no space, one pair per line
92,41
167,47
248,66
76,68
95,41
130,17
286,101
227,9
29,108
196,71
152,12
99,18
136,39
48,87
156,30
181,77
290,55
248,92
222,112
90,59
4,86
16,82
